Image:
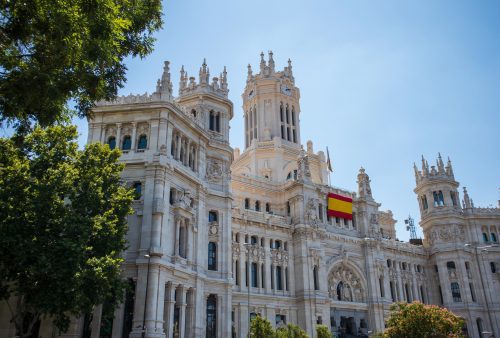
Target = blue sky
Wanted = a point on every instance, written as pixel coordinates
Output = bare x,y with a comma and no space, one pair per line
382,82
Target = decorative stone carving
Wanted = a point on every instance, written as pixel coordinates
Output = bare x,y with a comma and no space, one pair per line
364,189
447,234
311,210
214,171
345,285
303,171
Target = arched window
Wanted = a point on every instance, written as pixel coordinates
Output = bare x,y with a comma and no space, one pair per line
425,206
137,190
211,120
211,328
340,290
257,206
393,294
493,267
268,207
253,240
112,142
493,237
212,256
485,237
143,142
217,122
455,292
440,198
247,203
315,277
479,323
127,142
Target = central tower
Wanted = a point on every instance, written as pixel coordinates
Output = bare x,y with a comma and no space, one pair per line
271,104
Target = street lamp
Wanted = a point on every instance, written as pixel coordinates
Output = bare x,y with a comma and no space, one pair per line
148,256
484,249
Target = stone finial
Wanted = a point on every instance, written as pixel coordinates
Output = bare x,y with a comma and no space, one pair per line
262,63
417,175
440,164
467,202
204,73
249,72
449,169
271,62
183,80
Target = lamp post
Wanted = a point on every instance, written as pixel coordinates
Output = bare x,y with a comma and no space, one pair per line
148,256
483,248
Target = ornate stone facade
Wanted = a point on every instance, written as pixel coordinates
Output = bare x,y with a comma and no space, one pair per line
213,226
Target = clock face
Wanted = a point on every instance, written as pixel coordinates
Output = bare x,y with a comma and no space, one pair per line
286,90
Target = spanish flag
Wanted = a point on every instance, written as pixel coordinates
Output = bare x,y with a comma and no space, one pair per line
339,206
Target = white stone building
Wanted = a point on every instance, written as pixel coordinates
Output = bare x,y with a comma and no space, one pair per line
219,236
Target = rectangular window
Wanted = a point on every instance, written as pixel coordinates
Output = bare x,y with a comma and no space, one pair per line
254,275
279,278
472,293
455,292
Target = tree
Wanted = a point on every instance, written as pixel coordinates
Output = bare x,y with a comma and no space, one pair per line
417,320
291,331
261,328
56,50
62,227
323,332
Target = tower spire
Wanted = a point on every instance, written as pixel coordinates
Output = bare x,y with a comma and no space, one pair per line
271,62
249,72
262,63
440,164
449,168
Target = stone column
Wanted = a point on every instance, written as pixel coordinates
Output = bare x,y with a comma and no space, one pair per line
96,322
400,294
182,313
169,313
152,297
134,134
159,320
140,294
162,132
118,320
158,210
170,129
177,222
386,286
118,135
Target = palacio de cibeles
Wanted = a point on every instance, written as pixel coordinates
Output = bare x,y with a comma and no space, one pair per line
221,235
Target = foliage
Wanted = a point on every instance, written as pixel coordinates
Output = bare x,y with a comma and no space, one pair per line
261,328
417,320
62,226
291,331
323,332
55,50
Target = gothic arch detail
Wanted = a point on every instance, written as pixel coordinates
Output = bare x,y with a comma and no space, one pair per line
345,285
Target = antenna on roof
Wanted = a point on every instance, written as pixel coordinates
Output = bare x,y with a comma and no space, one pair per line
410,226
